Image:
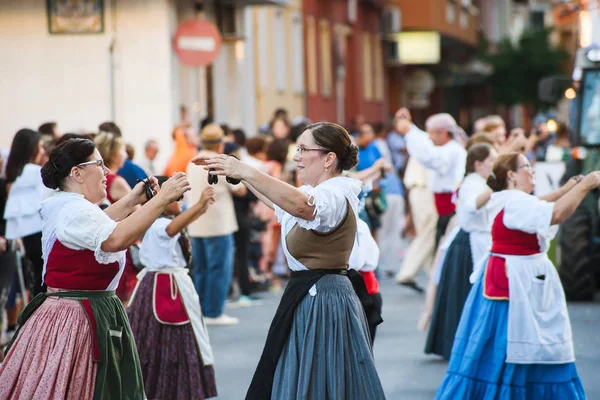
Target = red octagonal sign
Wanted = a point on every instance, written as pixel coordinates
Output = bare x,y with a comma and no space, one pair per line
197,43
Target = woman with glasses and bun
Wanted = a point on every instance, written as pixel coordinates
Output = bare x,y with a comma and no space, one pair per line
74,341
514,338
319,340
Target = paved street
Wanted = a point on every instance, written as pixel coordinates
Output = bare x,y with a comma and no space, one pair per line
406,372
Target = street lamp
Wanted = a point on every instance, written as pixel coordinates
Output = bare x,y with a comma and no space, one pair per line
570,93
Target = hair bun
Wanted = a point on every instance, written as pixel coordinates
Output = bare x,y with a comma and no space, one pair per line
351,158
494,183
51,176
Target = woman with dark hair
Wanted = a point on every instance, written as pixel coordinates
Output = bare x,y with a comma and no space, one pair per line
75,341
25,194
319,339
514,338
471,243
169,330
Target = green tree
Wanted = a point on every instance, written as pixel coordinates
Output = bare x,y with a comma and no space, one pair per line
518,67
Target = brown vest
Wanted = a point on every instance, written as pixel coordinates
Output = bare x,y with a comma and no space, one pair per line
329,250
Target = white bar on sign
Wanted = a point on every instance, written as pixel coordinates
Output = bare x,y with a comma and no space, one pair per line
196,43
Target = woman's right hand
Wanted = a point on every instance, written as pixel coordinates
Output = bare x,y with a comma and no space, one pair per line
174,188
592,180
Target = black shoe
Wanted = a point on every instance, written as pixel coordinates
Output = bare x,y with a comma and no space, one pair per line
413,285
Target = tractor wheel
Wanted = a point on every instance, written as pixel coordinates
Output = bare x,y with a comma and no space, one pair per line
576,268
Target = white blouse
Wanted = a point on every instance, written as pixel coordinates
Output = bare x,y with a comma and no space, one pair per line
365,253
158,250
79,225
23,205
330,199
473,220
447,162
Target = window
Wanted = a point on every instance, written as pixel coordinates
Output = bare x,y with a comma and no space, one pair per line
279,49
263,44
450,11
378,58
326,67
311,54
367,66
298,52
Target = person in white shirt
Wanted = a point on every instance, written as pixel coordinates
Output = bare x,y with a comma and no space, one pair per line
164,309
440,150
25,194
212,233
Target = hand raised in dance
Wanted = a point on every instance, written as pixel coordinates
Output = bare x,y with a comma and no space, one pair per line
402,121
139,190
591,180
221,164
174,188
207,198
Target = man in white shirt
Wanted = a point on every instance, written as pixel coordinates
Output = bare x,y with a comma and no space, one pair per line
441,151
212,233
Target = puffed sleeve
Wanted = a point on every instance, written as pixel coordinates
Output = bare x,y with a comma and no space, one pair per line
468,193
160,228
529,214
87,228
330,208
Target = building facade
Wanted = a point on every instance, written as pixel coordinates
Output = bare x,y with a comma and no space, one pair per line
128,73
344,60
278,42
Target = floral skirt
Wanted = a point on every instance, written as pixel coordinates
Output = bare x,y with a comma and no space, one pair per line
171,362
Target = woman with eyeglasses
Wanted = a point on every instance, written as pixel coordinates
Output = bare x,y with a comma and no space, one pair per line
112,151
25,194
75,341
514,338
319,339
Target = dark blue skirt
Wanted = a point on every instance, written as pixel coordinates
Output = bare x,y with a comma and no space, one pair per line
478,370
452,293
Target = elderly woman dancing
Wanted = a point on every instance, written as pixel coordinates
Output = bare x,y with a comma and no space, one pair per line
318,344
74,342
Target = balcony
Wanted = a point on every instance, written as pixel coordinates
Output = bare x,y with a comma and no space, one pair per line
456,19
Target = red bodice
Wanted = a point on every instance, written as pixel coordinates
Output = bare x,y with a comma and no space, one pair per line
77,269
110,178
444,204
511,241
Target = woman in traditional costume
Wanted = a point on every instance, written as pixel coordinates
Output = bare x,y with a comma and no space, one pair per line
514,338
74,342
472,242
318,344
164,310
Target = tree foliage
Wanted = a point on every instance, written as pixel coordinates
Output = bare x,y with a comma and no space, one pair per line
518,67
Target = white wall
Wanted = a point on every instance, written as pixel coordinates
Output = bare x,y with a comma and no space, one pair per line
66,78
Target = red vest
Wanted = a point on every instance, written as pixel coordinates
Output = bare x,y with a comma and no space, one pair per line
77,269
510,242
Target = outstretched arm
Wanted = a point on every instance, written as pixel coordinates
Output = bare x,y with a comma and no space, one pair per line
287,197
192,213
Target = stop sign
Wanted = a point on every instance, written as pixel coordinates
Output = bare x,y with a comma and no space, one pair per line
197,43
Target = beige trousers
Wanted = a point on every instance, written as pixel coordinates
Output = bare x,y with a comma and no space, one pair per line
421,250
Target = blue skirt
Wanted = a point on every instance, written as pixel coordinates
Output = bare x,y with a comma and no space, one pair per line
477,368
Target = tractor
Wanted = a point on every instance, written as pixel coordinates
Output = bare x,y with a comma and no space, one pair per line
578,240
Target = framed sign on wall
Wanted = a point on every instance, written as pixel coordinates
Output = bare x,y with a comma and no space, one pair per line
75,16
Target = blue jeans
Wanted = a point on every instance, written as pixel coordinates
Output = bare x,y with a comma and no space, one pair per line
213,270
